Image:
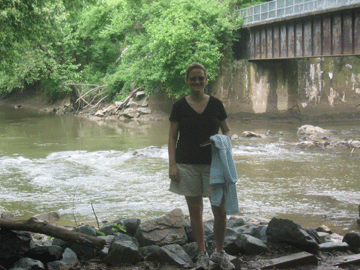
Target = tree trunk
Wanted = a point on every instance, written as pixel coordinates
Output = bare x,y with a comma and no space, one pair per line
35,225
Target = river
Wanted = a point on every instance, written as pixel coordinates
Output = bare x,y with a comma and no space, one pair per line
120,170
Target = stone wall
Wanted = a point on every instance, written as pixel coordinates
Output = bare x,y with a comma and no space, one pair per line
309,89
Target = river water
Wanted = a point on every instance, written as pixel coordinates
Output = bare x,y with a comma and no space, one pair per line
120,170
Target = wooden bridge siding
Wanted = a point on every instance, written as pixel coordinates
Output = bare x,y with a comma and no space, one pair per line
357,32
333,34
326,36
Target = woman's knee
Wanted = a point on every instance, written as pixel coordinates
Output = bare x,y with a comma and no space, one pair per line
195,205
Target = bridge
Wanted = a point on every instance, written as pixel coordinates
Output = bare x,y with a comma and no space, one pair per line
286,29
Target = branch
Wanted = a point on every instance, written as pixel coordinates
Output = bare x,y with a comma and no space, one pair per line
37,226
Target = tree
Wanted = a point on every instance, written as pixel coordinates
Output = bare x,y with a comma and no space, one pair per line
111,46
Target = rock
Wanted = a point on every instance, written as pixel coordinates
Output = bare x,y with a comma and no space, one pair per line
80,250
287,231
168,229
112,228
45,254
250,245
232,223
7,216
250,134
176,256
324,228
139,94
69,261
144,110
123,249
130,113
235,137
324,237
191,249
49,216
172,254
27,263
312,130
13,246
333,246
353,240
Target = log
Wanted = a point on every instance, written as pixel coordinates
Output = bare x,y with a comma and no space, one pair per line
290,261
38,226
346,260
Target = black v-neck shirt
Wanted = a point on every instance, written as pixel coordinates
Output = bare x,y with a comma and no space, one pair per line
195,129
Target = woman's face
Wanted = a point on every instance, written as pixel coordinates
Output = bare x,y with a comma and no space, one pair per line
196,80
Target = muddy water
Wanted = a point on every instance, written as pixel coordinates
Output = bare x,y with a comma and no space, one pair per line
72,165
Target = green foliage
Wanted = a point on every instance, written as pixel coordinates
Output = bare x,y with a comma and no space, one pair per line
47,61
118,228
118,44
174,34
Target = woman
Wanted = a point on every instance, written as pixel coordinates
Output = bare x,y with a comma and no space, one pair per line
195,118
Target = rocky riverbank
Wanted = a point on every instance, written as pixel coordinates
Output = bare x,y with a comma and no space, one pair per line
167,242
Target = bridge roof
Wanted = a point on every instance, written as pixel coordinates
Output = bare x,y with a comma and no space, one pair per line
284,9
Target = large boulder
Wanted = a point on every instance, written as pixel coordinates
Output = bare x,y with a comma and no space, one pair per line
69,260
308,130
123,249
112,228
250,245
45,254
353,240
288,231
172,254
165,230
13,246
28,263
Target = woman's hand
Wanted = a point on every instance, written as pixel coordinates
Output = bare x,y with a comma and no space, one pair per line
174,173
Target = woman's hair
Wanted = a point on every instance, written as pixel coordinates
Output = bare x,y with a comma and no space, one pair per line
193,66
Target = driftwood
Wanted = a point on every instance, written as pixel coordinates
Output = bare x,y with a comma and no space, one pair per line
127,99
38,226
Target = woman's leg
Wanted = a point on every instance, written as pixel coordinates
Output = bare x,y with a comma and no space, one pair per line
219,225
195,205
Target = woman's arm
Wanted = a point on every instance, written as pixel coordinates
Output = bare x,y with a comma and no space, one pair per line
173,135
225,128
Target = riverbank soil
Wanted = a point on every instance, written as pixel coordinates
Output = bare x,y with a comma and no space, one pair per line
33,100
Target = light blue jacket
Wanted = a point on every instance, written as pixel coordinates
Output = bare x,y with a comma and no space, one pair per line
223,175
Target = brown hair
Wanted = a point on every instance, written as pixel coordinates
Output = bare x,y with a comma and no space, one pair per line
193,66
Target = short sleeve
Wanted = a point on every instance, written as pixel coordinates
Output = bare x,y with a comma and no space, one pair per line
175,115
222,112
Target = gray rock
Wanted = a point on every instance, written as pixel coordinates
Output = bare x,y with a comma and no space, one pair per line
7,215
123,249
28,264
250,245
287,231
81,250
45,254
69,261
353,240
324,237
191,249
13,246
333,246
177,256
312,130
250,134
168,229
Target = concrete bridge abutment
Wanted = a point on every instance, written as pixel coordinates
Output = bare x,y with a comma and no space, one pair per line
310,89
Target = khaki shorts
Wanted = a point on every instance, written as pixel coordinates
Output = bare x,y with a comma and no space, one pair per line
194,180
